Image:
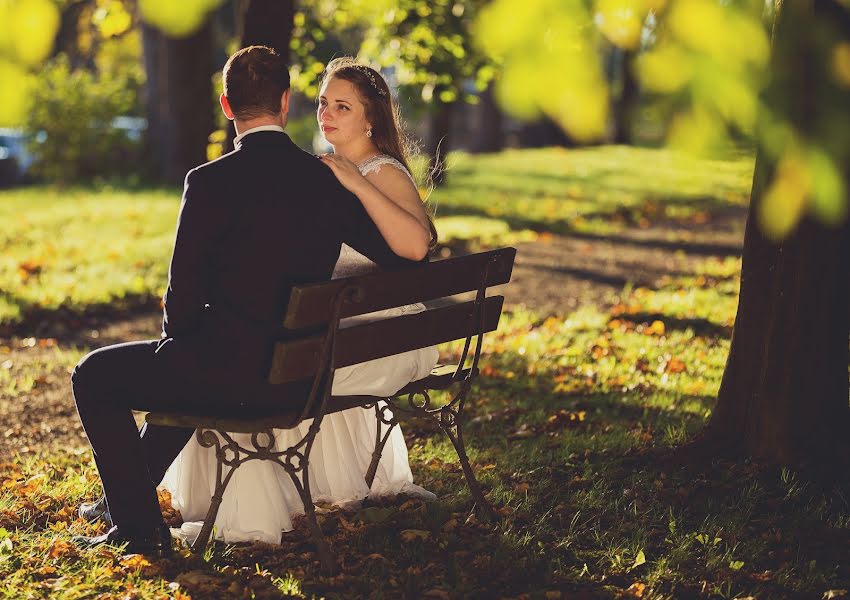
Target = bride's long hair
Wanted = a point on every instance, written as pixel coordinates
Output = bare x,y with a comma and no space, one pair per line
388,132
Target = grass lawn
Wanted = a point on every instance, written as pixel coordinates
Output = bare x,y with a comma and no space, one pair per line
567,425
107,250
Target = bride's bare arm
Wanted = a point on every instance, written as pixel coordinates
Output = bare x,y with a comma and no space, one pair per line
393,203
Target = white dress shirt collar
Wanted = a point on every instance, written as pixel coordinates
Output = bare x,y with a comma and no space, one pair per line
237,141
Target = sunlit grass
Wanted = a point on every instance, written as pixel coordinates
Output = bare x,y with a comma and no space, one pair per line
598,190
560,403
81,249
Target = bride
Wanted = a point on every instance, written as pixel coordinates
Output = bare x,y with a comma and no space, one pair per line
358,118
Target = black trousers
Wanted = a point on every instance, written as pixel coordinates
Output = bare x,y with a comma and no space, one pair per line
112,381
108,383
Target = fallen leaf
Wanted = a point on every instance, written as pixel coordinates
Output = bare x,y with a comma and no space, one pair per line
61,549
674,365
45,572
134,561
409,535
639,560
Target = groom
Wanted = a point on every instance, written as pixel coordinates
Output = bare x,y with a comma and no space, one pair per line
252,225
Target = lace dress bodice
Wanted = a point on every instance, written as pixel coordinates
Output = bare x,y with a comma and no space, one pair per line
351,262
376,162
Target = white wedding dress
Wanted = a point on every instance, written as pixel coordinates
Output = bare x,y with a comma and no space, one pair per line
261,501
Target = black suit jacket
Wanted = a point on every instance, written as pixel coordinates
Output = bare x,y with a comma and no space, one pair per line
253,224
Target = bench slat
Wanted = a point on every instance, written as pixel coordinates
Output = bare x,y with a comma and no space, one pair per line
297,359
310,304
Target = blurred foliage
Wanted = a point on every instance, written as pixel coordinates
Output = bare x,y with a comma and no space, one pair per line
706,65
430,49
702,67
71,124
319,33
549,62
177,19
427,47
27,29
804,122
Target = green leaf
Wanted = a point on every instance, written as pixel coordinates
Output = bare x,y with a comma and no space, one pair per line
736,565
375,514
639,560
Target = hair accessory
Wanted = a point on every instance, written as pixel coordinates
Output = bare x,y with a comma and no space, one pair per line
368,72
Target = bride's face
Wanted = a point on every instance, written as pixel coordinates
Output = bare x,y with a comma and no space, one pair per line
341,114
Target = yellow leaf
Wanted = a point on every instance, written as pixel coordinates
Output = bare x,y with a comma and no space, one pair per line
134,561
841,63
785,199
657,328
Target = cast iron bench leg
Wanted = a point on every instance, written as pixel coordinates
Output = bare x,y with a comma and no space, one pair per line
449,421
212,439
381,413
448,418
209,438
302,485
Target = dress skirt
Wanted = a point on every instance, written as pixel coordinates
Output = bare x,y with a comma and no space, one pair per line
261,501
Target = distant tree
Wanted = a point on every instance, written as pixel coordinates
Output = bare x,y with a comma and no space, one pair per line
623,105
490,132
67,39
267,23
431,49
178,99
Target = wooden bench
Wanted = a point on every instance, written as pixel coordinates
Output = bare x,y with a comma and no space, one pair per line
318,308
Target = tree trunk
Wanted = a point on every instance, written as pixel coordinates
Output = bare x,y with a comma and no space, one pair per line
438,140
624,105
490,135
264,23
67,38
784,393
542,133
179,100
268,23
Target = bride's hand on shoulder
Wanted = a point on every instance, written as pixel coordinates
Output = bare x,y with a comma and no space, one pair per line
346,172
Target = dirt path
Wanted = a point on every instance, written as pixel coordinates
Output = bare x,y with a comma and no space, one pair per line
554,275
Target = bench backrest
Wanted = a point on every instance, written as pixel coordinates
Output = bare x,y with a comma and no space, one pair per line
312,305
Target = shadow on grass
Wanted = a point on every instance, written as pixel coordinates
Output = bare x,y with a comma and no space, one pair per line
564,227
68,324
587,508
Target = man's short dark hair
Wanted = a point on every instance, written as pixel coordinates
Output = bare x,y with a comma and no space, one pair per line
254,80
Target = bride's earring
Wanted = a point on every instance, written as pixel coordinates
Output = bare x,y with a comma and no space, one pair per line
369,132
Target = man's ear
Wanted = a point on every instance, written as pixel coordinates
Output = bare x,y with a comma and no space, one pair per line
284,107
284,102
225,107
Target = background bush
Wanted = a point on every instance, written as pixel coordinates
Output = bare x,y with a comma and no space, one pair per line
71,124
